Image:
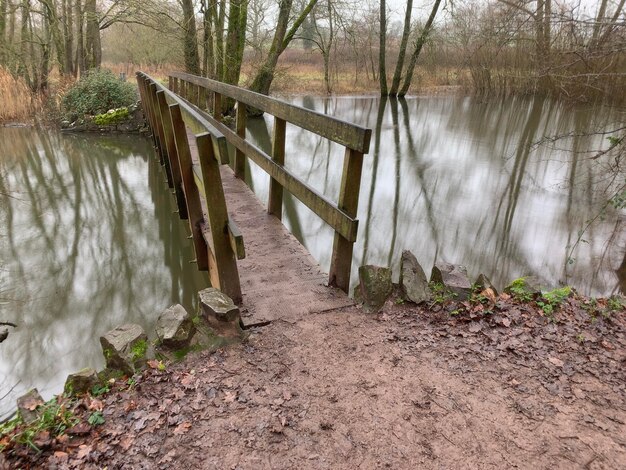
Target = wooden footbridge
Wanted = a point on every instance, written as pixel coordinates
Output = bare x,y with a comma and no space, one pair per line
272,275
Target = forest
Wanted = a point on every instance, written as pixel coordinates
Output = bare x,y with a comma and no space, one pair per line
570,48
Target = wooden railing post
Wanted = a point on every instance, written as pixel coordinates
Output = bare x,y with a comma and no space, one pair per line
161,134
223,271
145,101
202,98
171,162
341,259
275,201
150,94
192,195
240,157
217,107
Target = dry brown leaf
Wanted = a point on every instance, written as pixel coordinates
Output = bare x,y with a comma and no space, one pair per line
556,361
182,428
96,405
229,397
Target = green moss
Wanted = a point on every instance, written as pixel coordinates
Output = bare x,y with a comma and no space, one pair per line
519,289
552,300
440,293
139,349
114,116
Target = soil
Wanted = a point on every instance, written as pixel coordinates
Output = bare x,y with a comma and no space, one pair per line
410,387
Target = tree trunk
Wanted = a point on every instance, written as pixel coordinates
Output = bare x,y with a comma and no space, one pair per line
235,40
53,29
3,29
397,75
219,15
22,69
92,36
68,36
599,20
190,39
208,59
421,40
44,66
382,68
80,38
264,77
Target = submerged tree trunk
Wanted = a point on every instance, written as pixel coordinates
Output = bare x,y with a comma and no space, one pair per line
397,75
421,40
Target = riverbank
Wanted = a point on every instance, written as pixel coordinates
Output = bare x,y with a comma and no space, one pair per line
410,387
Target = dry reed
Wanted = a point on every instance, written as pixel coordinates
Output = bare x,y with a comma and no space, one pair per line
19,104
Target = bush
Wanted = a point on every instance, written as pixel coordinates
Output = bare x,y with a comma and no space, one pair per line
96,93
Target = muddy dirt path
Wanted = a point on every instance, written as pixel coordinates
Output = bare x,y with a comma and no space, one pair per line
403,389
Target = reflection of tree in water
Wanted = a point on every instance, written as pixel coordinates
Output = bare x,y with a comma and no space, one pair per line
78,243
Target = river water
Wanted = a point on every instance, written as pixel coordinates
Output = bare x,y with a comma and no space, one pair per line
88,239
87,242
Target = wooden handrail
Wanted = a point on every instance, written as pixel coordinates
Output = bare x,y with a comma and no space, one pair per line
342,132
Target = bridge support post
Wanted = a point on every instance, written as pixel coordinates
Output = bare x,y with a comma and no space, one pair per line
275,201
192,195
160,132
222,259
240,157
341,259
172,154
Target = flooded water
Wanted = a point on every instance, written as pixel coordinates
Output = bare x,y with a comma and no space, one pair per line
460,179
88,241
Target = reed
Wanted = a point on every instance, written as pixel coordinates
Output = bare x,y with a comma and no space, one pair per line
18,102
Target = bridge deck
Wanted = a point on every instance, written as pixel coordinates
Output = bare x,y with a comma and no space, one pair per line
279,277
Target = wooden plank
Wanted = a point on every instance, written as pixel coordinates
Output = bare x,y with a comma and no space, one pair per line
226,262
236,238
275,200
172,154
326,209
342,132
240,157
192,195
341,258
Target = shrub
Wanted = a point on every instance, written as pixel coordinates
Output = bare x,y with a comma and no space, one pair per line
97,92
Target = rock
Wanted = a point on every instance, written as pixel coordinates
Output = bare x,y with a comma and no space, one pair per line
81,381
4,334
27,406
531,285
125,348
220,314
453,277
483,282
413,279
375,287
174,327
214,303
